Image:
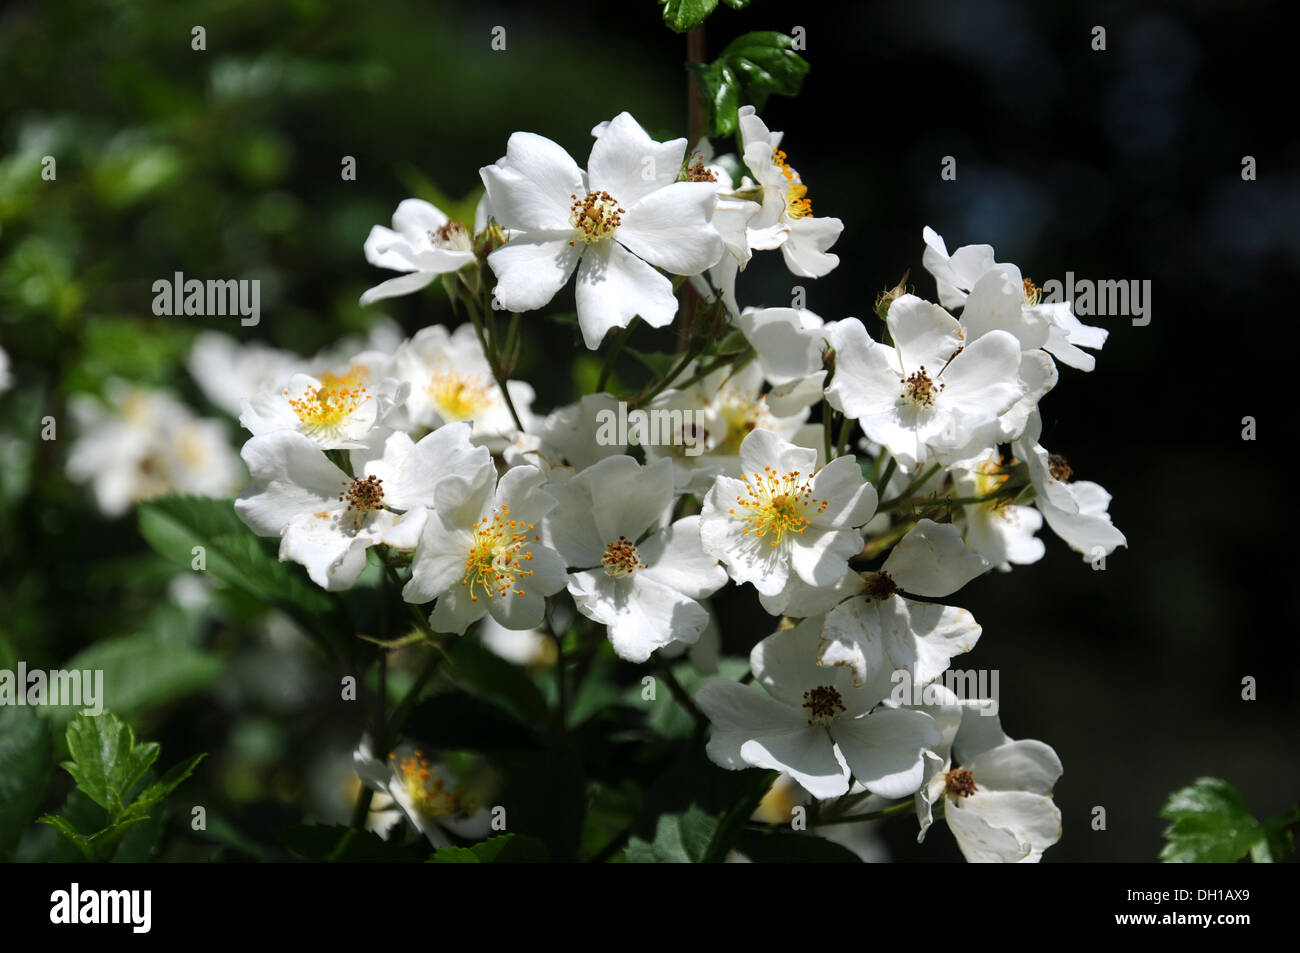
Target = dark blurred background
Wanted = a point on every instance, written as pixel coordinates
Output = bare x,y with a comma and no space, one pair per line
1124,164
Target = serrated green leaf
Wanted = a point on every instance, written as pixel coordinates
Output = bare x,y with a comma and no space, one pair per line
175,525
765,62
106,762
94,847
1210,824
26,760
150,796
502,849
685,15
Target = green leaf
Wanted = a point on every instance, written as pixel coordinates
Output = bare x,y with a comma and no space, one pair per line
175,525
491,677
142,671
658,364
736,4
765,62
683,16
751,68
26,760
698,810
1210,824
720,87
159,790
503,849
106,762
780,847
94,847
336,843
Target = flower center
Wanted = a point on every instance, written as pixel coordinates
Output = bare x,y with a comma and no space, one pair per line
918,389
990,477
742,414
459,396
878,586
797,204
621,558
1058,468
595,217
822,703
497,555
960,783
1033,294
363,496
698,172
777,504
428,791
326,408
453,236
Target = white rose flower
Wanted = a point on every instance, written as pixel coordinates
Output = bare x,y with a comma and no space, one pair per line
326,520
814,722
482,552
422,242
639,578
932,392
998,803
784,516
615,224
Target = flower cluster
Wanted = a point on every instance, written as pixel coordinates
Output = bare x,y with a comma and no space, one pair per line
430,451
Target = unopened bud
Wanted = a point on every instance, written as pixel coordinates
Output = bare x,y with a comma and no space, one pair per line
490,239
886,298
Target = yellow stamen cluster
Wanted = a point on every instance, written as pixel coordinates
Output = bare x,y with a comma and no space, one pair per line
742,414
1033,293
497,556
989,478
363,496
326,408
960,783
429,792
595,217
621,558
777,504
918,389
822,703
797,203
459,396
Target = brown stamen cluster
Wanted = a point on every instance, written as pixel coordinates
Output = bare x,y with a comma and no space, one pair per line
961,783
879,586
362,497
595,216
452,235
621,558
698,173
919,389
822,703
1059,468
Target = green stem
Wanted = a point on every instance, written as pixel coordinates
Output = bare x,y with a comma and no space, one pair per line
668,378
827,425
893,810
684,699
842,444
615,347
493,361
